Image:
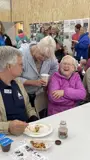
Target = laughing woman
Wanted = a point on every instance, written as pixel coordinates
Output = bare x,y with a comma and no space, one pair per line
65,88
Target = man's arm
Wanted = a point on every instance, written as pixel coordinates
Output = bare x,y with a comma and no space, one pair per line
4,127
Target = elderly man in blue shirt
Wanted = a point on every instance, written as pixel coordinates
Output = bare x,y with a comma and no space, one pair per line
15,109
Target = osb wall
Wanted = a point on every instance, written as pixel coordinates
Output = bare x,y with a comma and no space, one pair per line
5,10
31,11
5,16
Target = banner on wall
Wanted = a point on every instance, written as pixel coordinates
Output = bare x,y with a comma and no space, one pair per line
86,24
66,27
69,26
35,27
72,25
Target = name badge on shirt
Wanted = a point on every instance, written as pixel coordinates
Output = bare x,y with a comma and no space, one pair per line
8,91
75,54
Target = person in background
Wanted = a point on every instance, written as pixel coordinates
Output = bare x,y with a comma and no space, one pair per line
86,82
47,30
81,46
40,35
88,60
67,43
65,50
59,53
65,88
84,64
4,38
55,33
21,38
82,68
75,36
15,109
38,59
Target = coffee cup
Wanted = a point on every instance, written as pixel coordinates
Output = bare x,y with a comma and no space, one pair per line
45,77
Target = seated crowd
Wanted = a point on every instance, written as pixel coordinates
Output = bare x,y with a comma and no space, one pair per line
21,81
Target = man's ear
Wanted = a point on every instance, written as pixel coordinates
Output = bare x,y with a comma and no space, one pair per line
8,66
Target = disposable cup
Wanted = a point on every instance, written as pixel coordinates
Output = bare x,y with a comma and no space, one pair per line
45,77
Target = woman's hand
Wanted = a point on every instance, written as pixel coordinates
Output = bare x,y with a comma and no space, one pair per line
57,94
40,82
17,127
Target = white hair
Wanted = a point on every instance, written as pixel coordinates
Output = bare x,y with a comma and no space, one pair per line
47,45
75,63
8,55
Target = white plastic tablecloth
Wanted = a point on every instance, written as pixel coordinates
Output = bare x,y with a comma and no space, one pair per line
75,147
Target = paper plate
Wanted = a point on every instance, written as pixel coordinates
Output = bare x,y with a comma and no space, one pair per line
38,130
38,144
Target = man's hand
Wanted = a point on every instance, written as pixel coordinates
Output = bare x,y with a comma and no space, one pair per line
57,94
17,127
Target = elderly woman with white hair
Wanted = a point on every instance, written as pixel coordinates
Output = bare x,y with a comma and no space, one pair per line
38,59
65,88
15,109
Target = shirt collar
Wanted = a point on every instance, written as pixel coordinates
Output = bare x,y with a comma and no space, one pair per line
4,85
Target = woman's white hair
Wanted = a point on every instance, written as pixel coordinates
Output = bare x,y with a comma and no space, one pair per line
75,63
8,55
47,46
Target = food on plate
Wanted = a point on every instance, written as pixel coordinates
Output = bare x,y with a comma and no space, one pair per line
37,127
39,145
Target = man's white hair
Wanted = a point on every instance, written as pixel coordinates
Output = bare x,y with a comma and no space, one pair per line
8,55
47,46
75,63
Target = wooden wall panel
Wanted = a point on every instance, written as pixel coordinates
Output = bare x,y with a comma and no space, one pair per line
31,11
5,10
5,16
